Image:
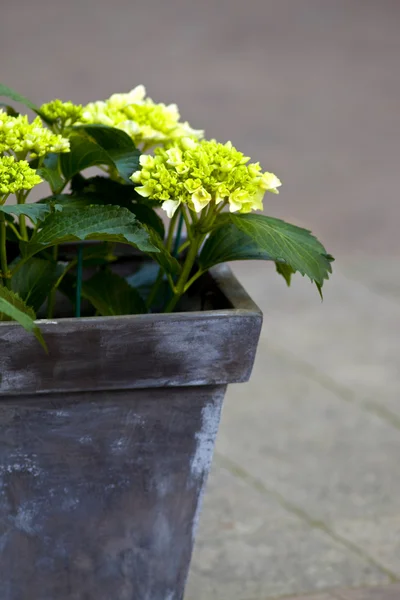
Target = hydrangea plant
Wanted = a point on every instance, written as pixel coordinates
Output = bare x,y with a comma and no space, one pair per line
151,163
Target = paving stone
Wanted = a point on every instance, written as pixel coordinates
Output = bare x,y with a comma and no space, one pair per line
353,337
331,458
381,276
249,547
379,536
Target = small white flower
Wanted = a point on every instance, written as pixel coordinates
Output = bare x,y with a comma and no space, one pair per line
146,160
170,206
200,199
270,182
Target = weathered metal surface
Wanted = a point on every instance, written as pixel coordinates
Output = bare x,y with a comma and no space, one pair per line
137,351
99,491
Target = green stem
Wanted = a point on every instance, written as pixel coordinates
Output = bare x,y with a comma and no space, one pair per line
171,230
3,251
52,296
15,230
184,276
178,235
168,244
187,223
193,279
21,197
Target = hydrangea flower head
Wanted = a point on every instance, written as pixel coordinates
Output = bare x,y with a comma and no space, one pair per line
197,173
64,114
16,175
146,122
19,136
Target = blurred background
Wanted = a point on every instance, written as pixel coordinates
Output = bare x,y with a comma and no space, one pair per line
305,491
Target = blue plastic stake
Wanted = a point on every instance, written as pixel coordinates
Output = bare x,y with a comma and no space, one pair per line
79,275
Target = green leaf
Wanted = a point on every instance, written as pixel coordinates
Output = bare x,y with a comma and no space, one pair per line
148,216
111,295
13,95
36,212
227,243
10,110
118,145
12,307
104,223
168,263
35,279
93,145
83,154
110,191
104,191
285,242
50,172
286,271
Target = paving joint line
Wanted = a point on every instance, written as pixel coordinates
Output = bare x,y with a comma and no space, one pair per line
338,389
258,485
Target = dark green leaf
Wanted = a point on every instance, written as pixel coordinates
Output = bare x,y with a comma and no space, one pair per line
286,271
13,95
63,202
148,216
93,145
34,280
50,172
111,295
285,242
36,212
110,191
227,243
83,154
168,263
12,307
8,109
104,223
104,191
117,144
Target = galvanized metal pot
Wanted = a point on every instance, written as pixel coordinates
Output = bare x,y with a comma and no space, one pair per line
106,443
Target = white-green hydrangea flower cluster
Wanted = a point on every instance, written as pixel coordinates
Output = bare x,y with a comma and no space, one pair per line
16,176
147,123
21,137
197,173
63,114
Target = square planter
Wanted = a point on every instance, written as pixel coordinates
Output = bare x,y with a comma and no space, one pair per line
106,443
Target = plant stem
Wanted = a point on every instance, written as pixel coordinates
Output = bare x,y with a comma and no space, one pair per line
178,234
52,295
3,251
187,223
21,197
171,230
168,244
184,276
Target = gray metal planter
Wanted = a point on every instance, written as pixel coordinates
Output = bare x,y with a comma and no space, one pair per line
106,443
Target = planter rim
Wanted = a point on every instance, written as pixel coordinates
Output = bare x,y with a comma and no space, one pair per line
227,283
136,351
